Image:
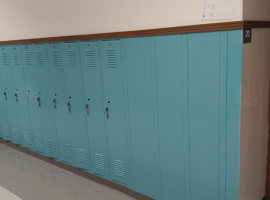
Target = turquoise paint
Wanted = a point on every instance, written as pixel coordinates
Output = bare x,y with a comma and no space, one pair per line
172,130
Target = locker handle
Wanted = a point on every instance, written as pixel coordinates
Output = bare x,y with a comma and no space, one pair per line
16,96
87,109
54,103
5,94
68,104
107,112
38,99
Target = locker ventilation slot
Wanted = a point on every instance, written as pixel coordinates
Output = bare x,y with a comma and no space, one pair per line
99,161
16,58
27,138
111,58
56,59
119,168
40,59
90,58
67,152
80,156
5,58
52,146
38,141
27,57
71,58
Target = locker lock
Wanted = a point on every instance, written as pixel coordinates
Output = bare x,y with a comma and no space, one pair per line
69,106
54,103
38,100
5,94
16,97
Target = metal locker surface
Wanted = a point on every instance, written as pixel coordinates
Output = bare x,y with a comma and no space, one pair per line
115,110
140,72
94,107
4,67
171,72
48,139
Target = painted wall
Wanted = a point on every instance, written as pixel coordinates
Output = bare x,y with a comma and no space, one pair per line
254,115
38,18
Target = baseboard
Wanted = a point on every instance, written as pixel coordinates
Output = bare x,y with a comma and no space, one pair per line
79,172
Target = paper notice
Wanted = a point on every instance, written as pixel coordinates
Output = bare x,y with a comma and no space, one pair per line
221,9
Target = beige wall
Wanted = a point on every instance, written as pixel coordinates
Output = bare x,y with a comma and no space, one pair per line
44,18
256,9
254,115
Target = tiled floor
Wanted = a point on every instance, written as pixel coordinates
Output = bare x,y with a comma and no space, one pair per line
32,179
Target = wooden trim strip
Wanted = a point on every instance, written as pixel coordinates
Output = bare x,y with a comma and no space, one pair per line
149,32
76,171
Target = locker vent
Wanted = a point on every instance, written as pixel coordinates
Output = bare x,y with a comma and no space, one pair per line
40,59
90,58
71,58
38,142
27,58
111,58
52,146
5,58
99,161
67,152
27,138
119,168
16,58
56,58
80,156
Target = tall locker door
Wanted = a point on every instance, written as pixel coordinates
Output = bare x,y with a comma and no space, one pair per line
141,85
5,64
171,65
47,140
74,138
94,107
115,110
16,76
30,138
207,114
59,94
20,94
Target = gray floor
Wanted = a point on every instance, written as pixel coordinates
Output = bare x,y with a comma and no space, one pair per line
32,179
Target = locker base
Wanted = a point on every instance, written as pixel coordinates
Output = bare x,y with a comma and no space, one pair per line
92,177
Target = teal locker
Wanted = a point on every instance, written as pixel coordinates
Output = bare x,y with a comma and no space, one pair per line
141,85
16,76
207,114
115,110
31,97
94,107
47,140
5,64
171,64
21,94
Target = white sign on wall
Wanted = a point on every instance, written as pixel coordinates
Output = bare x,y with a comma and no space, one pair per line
221,9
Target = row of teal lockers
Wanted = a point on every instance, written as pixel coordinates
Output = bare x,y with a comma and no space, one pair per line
159,114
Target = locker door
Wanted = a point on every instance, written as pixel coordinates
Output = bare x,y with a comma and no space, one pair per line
114,110
94,109
21,95
171,75
16,77
30,137
141,84
207,114
5,64
47,138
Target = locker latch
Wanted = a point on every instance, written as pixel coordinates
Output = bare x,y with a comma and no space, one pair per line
87,109
5,94
107,112
16,97
39,104
54,103
68,104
